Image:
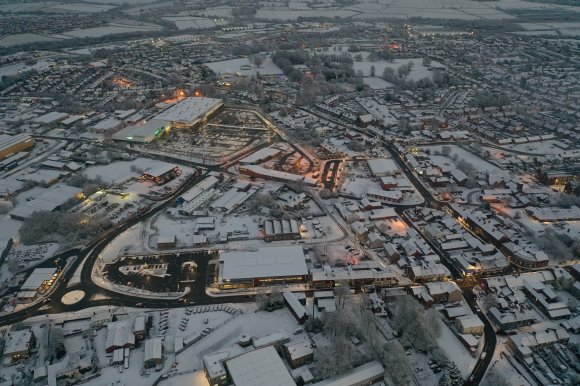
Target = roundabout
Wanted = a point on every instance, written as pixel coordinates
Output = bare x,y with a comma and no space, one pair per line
72,297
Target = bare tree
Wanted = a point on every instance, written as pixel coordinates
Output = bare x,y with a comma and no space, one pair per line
341,292
257,60
336,358
395,362
494,378
261,299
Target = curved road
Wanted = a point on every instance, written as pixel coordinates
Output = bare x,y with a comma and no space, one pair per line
490,337
88,255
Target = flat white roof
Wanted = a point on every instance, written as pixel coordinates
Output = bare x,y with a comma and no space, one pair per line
189,110
48,200
161,169
50,117
153,349
37,277
17,341
144,131
361,375
265,262
383,166
260,155
269,173
198,189
259,367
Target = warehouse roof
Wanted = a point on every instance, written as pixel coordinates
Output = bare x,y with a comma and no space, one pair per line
259,367
37,277
153,349
144,131
357,376
265,262
189,109
51,117
382,166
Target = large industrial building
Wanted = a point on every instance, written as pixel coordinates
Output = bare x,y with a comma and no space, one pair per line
163,173
142,132
281,229
266,266
275,175
190,111
11,144
184,114
381,167
259,367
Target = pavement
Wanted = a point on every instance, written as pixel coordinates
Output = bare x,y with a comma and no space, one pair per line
89,254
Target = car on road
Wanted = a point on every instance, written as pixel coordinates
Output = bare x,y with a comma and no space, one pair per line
140,305
483,355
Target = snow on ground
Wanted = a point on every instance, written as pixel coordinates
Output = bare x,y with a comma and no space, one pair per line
379,111
254,324
540,148
80,8
111,29
223,11
455,351
181,325
186,22
434,9
22,256
13,40
10,227
419,71
119,171
196,378
163,225
480,164
73,297
287,14
570,228
234,66
358,186
128,240
507,371
376,83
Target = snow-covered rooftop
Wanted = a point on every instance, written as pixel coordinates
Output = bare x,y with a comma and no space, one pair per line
265,262
259,367
189,110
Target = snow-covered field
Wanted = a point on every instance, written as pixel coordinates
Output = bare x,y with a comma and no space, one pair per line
234,66
376,83
186,22
112,29
417,72
217,12
14,69
80,8
13,40
289,14
129,240
480,164
358,186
